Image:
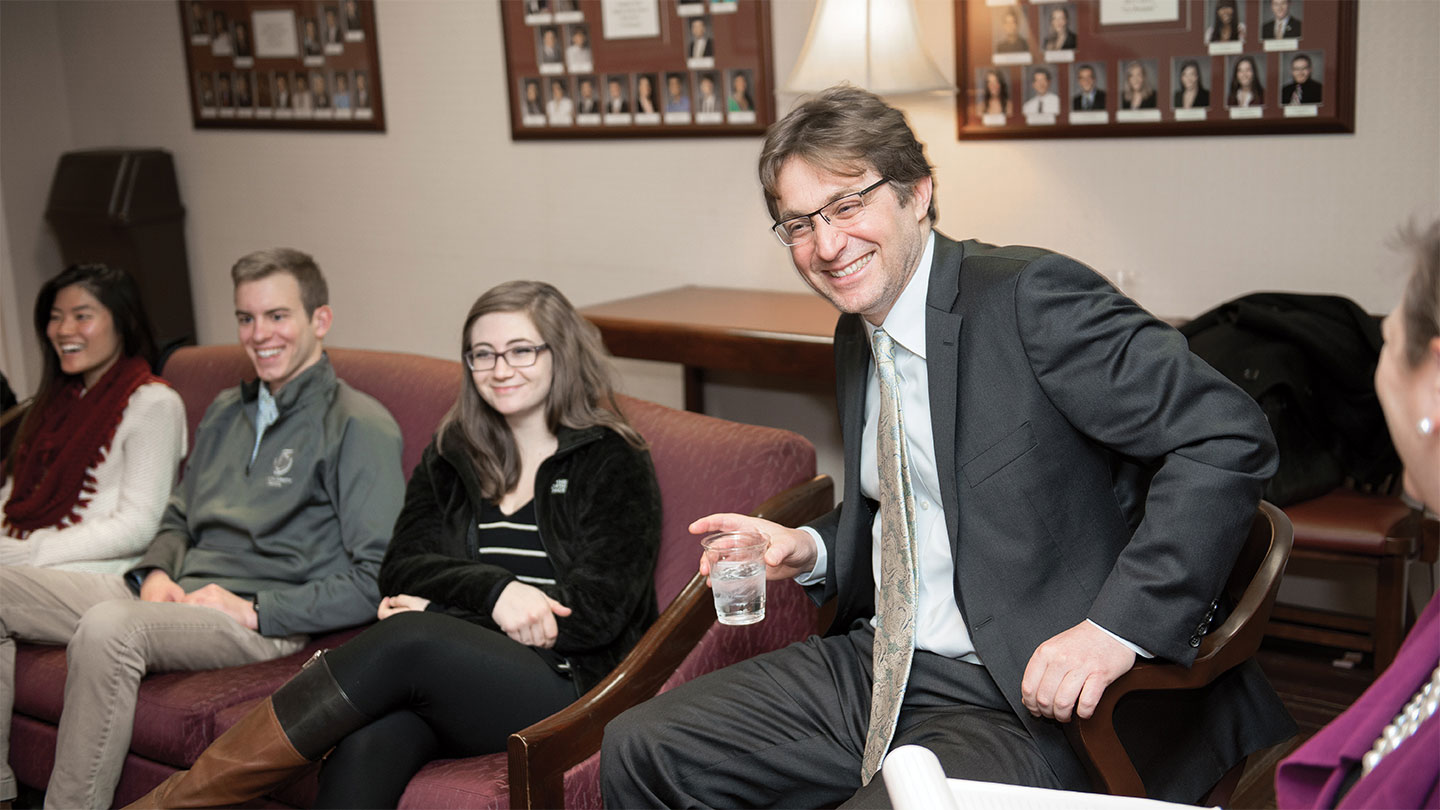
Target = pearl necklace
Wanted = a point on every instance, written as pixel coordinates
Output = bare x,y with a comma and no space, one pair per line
1406,723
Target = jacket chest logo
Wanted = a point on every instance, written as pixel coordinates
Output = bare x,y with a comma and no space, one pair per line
283,462
559,487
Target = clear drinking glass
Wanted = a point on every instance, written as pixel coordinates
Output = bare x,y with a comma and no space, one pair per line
737,575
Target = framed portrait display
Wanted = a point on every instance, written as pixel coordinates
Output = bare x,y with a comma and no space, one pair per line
637,68
283,64
1126,68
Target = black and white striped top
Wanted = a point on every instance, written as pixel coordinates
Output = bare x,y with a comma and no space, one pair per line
513,543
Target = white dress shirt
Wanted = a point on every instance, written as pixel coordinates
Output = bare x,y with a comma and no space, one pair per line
939,626
1047,104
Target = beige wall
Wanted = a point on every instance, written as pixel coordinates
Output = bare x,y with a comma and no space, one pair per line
411,224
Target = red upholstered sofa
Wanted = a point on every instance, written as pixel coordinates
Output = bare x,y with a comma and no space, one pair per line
703,464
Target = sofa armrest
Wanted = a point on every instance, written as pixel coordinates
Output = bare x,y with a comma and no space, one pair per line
540,755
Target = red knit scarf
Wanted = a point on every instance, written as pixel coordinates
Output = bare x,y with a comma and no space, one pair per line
53,476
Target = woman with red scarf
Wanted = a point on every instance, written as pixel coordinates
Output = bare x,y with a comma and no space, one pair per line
97,452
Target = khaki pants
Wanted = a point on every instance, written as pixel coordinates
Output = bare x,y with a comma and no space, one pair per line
112,640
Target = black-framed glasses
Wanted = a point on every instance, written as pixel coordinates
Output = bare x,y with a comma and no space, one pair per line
515,357
839,212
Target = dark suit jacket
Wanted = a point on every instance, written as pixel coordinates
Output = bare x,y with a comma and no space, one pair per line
1202,98
1057,404
1079,99
1067,45
1311,92
1291,30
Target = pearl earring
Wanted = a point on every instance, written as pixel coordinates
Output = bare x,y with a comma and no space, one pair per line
1425,426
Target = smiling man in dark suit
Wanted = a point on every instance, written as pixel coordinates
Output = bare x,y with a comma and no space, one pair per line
1041,484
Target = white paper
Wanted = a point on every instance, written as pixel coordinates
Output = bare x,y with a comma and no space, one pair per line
1060,56
1040,119
915,781
1022,58
1136,116
993,120
1130,12
1246,112
1282,44
1302,110
629,19
275,35
1226,48
1089,117
1192,114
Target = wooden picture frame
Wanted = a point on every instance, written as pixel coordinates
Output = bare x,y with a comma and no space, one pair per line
1161,67
283,64
647,68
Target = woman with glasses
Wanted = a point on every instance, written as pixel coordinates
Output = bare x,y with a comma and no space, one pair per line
520,573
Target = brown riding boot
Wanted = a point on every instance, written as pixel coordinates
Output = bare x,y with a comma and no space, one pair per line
283,735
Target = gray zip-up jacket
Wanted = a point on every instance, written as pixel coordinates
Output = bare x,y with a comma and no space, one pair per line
303,529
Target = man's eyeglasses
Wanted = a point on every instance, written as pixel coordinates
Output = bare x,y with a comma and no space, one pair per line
800,229
518,357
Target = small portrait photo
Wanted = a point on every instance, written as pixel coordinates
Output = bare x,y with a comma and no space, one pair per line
244,92
992,92
536,9
362,91
226,93
354,29
206,89
740,98
587,96
548,51
1304,87
532,103
1058,22
1282,19
1190,76
559,107
333,37
282,90
617,94
1227,21
1010,30
243,48
1089,78
199,22
220,44
264,91
340,95
1041,84
677,92
300,99
699,42
577,54
647,94
707,95
310,37
1137,89
1246,86
320,90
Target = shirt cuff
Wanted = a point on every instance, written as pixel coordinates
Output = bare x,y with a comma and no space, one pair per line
1140,651
817,574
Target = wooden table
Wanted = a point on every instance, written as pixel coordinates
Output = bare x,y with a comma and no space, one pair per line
719,329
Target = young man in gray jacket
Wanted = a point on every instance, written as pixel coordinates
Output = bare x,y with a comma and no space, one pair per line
276,531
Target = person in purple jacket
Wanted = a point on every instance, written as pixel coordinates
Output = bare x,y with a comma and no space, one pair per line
1384,751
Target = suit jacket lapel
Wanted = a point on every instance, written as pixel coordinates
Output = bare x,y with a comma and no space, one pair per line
852,363
942,349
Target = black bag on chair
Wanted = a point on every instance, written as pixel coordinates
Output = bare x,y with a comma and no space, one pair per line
1309,361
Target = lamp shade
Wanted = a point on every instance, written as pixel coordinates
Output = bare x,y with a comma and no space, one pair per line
874,44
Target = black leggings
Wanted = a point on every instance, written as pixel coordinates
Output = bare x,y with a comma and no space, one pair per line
438,687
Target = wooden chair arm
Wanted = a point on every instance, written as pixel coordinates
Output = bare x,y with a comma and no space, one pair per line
1236,640
14,412
540,754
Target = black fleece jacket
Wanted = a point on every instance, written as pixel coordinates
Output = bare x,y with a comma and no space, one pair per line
598,508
